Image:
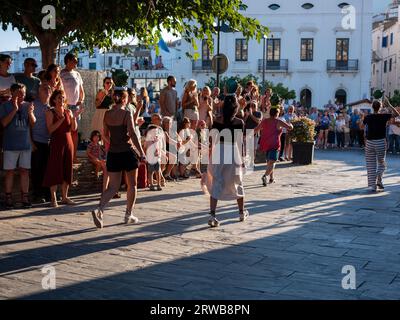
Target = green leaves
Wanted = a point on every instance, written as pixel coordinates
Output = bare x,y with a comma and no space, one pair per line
98,23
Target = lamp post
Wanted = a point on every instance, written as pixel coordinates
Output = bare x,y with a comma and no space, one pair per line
263,59
218,41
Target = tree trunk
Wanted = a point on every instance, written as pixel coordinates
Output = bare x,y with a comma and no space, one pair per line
48,46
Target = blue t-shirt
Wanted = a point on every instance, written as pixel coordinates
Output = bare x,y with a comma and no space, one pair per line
39,130
354,118
16,133
325,121
313,116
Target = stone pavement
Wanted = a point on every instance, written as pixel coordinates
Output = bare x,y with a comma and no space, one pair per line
301,232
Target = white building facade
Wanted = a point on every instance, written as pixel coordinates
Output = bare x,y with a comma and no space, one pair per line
386,52
310,49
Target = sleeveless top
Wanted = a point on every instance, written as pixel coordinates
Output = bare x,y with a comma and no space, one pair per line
233,131
119,138
270,135
106,103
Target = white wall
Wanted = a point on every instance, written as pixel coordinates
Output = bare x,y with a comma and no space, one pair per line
291,23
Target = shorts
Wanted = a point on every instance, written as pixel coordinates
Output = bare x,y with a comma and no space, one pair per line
193,115
324,127
122,161
154,167
17,159
272,155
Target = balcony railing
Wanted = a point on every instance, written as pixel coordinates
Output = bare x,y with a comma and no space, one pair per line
201,65
274,65
342,65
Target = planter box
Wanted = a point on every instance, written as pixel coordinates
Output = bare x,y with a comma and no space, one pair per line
303,152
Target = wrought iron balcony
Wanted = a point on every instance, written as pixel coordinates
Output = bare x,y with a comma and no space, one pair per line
274,65
201,65
342,65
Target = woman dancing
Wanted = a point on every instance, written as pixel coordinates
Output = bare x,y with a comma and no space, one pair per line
223,179
119,132
375,147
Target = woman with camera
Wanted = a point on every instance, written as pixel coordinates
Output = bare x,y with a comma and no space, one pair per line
190,103
205,106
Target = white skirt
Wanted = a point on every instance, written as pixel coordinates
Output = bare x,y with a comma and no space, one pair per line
97,120
224,177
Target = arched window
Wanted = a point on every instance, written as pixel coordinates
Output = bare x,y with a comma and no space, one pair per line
307,6
274,6
306,98
341,97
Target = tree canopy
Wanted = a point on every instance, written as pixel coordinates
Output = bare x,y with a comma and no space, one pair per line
98,23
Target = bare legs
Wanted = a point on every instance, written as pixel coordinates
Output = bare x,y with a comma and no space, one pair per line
323,138
131,179
64,194
24,183
270,168
113,187
213,222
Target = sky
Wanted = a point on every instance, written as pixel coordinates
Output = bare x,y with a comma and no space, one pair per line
11,40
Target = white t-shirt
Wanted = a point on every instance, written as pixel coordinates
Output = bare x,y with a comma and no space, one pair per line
72,82
5,84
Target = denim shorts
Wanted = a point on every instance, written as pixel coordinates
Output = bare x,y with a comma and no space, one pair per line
154,167
17,159
272,155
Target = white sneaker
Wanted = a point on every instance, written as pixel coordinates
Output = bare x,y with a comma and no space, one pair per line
243,216
98,218
131,219
213,222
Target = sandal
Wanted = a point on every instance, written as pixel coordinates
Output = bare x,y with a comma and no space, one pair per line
26,203
8,202
53,203
68,202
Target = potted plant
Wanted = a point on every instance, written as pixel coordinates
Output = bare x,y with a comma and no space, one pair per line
120,77
302,137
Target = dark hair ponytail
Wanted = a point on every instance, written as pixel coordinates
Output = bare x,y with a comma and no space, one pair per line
229,109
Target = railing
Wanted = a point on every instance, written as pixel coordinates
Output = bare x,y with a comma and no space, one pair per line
342,65
273,65
201,65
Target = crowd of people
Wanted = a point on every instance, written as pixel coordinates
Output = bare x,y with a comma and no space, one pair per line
135,144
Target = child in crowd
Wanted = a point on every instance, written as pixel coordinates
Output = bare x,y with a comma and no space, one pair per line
154,150
97,155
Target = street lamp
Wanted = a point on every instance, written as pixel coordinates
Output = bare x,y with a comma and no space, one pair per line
264,43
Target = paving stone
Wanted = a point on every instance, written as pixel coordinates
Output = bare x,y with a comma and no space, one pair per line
300,234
